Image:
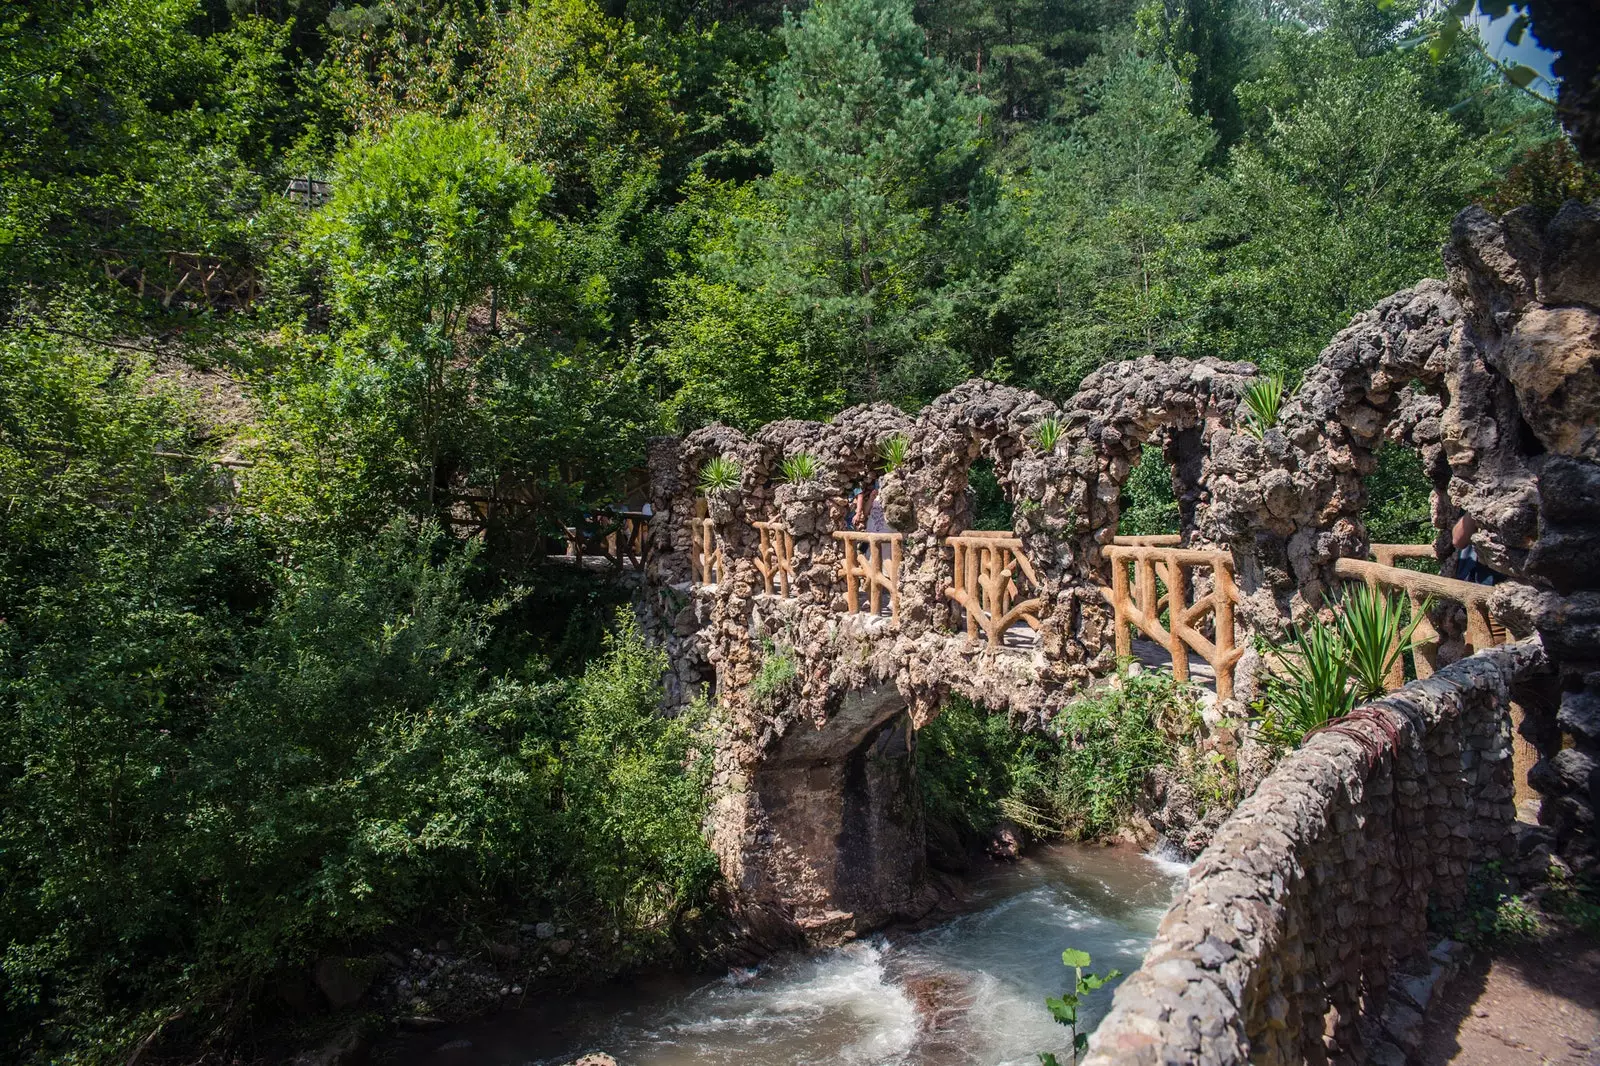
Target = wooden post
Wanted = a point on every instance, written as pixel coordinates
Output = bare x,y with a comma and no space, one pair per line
1177,601
1223,592
1119,606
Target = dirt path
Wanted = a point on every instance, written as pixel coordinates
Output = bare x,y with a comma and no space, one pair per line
1521,1005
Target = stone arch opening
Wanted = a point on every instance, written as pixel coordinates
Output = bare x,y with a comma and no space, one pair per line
831,825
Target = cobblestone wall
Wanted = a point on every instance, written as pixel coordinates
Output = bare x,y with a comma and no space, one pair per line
1319,885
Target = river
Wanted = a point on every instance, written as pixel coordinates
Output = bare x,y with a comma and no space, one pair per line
967,992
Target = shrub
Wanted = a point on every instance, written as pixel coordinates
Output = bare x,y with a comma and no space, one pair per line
777,673
1310,685
799,467
1110,741
1263,396
1046,435
1374,635
719,474
893,451
976,767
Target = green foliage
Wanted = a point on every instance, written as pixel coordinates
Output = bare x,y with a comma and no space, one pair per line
892,452
799,467
1310,685
871,139
1263,396
721,473
1080,783
131,129
1110,742
1066,1008
1574,899
777,673
1330,668
1375,634
991,509
1113,215
969,762
1399,502
1148,504
1047,434
1492,913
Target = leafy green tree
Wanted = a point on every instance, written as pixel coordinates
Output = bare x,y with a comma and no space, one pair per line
129,130
874,147
1017,54
735,352
429,224
1342,196
1115,228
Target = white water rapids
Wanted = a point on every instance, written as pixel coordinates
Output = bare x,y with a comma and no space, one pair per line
967,992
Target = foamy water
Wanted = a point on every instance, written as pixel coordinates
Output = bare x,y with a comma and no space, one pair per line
968,992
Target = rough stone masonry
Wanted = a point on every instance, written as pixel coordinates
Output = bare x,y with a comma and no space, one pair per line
1494,377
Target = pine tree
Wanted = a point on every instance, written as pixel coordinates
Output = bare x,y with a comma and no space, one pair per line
874,147
1115,213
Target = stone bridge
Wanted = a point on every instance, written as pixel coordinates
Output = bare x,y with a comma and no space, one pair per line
827,647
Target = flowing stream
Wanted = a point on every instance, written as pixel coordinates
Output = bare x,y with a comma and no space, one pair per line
968,991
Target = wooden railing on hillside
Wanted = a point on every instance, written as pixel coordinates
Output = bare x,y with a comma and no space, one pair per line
1418,588
208,280
871,564
1137,601
620,536
987,564
775,558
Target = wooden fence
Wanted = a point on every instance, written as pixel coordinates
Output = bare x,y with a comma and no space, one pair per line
871,564
775,558
1418,588
1137,601
986,566
706,555
620,536
207,280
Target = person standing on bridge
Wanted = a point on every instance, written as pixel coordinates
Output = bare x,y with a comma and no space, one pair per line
1468,566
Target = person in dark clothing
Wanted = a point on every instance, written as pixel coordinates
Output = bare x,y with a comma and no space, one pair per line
1468,566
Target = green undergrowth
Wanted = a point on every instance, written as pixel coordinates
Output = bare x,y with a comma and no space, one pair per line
1500,911
1079,780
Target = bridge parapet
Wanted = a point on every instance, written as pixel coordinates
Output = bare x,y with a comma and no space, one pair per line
773,598
1318,887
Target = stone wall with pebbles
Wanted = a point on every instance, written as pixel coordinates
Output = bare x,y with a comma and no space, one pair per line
1493,376
1315,892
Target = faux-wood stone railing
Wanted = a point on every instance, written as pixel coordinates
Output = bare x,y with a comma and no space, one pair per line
1320,883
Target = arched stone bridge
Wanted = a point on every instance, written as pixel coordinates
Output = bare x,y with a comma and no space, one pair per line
827,648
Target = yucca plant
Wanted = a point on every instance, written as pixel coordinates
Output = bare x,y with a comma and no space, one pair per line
1375,635
893,452
1264,396
720,472
801,466
1311,685
1046,434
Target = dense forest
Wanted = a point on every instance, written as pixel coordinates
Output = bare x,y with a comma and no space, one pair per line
283,281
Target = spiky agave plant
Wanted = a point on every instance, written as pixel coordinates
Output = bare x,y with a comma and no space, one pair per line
801,466
720,472
1311,685
1264,396
893,452
1375,634
1046,434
